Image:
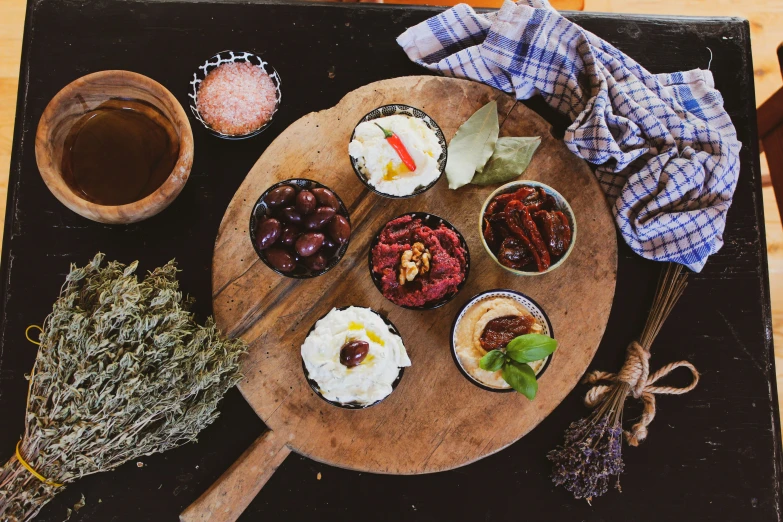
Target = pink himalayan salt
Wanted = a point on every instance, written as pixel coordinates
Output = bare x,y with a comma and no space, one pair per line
236,98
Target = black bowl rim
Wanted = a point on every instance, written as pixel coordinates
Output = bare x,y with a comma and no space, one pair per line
443,300
194,92
352,406
438,132
251,229
454,356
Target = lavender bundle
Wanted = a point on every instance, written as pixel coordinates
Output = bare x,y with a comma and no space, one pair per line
591,454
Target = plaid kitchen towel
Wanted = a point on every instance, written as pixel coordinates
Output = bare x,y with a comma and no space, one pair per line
667,151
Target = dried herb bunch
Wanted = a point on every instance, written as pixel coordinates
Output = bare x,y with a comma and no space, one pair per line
123,370
591,454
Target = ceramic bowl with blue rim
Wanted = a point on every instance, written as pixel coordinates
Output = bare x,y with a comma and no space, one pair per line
213,63
529,304
405,110
352,405
432,221
560,204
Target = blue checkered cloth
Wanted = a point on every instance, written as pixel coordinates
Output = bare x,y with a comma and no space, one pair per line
666,150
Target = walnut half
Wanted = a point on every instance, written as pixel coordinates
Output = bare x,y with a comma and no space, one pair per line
414,262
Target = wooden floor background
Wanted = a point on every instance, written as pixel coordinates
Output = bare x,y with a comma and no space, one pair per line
766,22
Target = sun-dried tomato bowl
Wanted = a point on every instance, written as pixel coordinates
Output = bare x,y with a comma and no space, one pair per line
560,204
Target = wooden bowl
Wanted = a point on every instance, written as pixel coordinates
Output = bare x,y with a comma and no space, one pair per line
86,94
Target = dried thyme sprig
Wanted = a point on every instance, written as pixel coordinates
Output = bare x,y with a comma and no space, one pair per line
123,371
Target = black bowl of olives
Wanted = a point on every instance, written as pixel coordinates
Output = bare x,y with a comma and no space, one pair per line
300,228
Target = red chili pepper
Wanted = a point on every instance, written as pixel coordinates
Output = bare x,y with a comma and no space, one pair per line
399,147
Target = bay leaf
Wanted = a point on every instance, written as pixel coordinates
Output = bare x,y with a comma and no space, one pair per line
472,145
510,158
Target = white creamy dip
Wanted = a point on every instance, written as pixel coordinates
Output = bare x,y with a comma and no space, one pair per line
380,163
371,380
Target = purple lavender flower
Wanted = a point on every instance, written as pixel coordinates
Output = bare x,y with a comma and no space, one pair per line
590,456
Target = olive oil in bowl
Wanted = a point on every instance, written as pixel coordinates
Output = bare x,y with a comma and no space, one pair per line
120,152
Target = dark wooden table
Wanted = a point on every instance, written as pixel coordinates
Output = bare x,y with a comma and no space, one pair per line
712,455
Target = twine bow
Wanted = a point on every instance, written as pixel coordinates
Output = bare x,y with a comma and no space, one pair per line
636,374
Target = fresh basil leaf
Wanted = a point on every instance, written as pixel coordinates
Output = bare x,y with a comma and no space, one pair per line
530,347
472,145
522,378
492,361
510,158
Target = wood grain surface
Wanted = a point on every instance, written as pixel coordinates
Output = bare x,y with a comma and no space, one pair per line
227,498
435,420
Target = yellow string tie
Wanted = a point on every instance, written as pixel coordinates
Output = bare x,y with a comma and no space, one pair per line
27,333
21,460
31,470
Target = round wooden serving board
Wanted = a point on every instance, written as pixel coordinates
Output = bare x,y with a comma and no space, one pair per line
435,420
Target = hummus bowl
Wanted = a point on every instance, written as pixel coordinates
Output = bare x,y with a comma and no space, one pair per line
441,273
560,205
319,357
380,168
471,319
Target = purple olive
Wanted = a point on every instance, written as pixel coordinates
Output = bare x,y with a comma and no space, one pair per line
280,196
309,243
315,262
267,233
330,243
353,353
326,198
339,229
290,215
305,202
280,259
289,235
318,219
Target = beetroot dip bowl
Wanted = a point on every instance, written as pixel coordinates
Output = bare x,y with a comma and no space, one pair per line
434,246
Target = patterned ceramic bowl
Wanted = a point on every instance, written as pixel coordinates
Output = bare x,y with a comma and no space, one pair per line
261,209
406,110
352,405
561,205
432,221
231,57
531,306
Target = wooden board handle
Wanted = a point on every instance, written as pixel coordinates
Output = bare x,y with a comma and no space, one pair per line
228,497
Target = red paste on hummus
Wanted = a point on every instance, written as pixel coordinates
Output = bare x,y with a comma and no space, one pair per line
448,261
